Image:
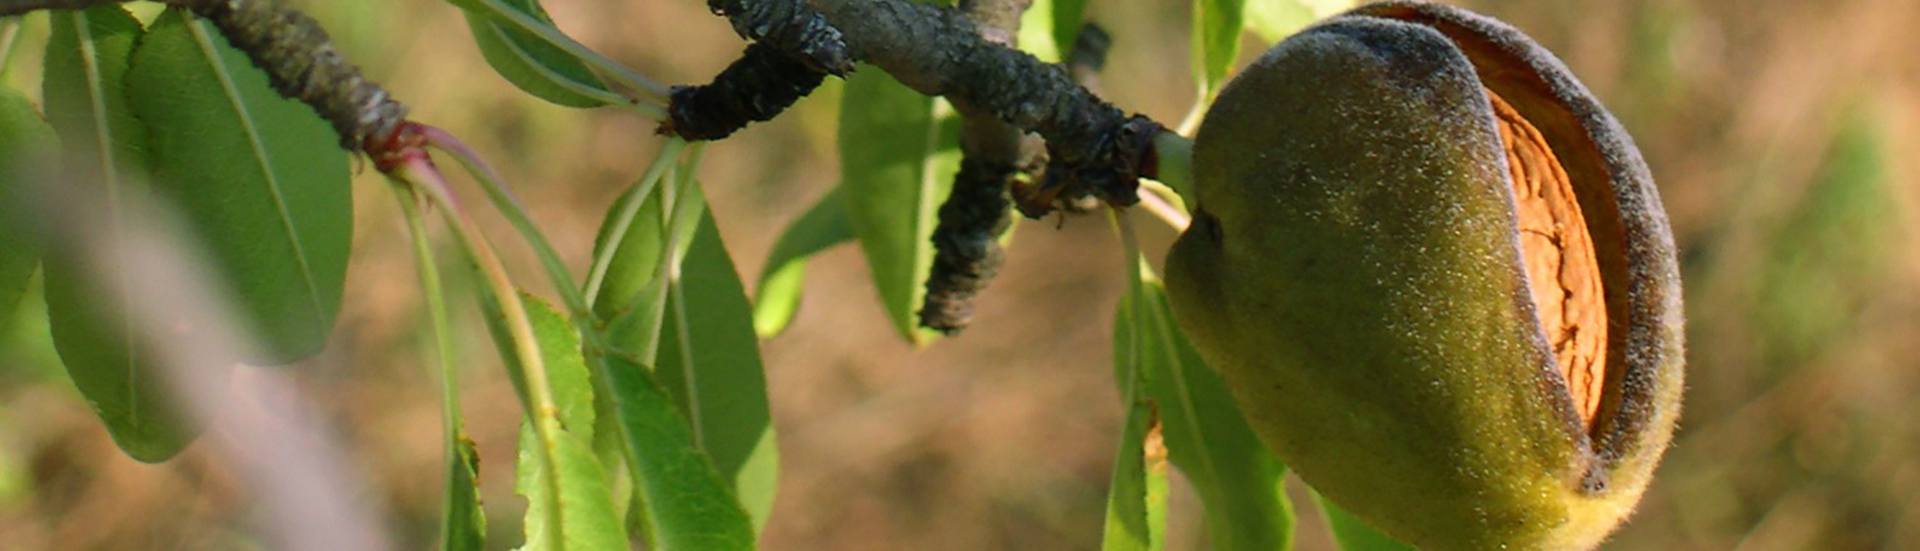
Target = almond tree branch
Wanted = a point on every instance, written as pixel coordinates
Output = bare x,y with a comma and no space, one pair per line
938,51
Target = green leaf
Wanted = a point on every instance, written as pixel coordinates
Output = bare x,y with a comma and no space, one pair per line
27,143
1216,40
710,362
1067,17
86,65
533,65
259,177
1355,535
1273,20
633,296
588,518
466,523
1136,499
688,506
1037,32
899,151
778,296
587,513
85,92
1239,481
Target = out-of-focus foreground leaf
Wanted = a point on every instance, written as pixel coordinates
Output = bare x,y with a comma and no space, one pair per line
103,145
27,146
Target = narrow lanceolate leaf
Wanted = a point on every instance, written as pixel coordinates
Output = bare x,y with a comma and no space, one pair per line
102,145
710,362
466,524
899,151
530,63
258,176
777,298
1216,40
1136,499
585,505
1354,535
687,506
1207,438
27,146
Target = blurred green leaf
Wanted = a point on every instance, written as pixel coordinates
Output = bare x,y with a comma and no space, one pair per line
27,143
778,296
1216,40
259,177
899,150
1240,483
1831,258
87,59
1354,535
530,63
1037,32
1274,20
585,504
710,362
1067,17
687,505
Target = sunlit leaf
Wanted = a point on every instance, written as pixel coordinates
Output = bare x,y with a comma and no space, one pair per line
27,145
1354,535
103,145
1216,40
533,65
777,298
1238,480
710,362
899,150
260,179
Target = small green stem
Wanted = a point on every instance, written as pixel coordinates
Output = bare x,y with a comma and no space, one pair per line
515,212
436,300
420,174
607,67
1173,157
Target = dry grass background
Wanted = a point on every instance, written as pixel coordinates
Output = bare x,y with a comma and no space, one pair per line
1782,134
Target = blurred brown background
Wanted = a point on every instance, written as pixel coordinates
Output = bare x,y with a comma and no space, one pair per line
1782,134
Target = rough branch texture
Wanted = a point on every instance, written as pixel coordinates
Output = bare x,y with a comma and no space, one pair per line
967,252
302,63
755,88
790,27
939,52
298,58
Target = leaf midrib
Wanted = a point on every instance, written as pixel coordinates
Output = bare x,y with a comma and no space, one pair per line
264,161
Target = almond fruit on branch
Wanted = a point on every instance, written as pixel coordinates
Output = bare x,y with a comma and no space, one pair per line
1438,277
